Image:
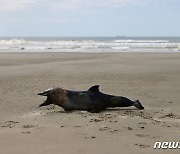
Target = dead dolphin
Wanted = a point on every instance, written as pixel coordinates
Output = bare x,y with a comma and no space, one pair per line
91,100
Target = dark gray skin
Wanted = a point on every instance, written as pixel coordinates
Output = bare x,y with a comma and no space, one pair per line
91,100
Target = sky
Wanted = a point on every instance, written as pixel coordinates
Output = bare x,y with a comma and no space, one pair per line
83,18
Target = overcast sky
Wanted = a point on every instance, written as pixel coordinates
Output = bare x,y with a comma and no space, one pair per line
89,17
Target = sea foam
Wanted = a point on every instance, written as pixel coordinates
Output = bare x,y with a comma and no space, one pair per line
88,45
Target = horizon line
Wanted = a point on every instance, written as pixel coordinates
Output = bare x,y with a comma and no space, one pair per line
123,36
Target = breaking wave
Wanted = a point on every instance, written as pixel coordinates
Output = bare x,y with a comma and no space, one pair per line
87,45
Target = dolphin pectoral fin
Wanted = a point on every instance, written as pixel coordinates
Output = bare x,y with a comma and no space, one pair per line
67,108
94,111
94,89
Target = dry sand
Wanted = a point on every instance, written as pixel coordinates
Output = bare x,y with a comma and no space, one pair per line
153,78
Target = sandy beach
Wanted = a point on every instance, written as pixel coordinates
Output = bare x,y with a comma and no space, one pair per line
153,78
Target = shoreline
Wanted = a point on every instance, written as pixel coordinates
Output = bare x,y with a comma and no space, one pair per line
153,78
91,51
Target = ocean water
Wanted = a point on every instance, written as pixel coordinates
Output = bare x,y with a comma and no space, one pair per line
90,44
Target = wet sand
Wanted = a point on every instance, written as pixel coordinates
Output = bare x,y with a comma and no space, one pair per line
153,78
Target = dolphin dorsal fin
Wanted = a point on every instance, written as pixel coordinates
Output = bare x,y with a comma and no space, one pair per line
94,89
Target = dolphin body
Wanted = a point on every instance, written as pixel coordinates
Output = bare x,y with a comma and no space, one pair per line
91,100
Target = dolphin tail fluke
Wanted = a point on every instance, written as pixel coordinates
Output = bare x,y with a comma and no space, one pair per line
44,103
138,105
45,93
